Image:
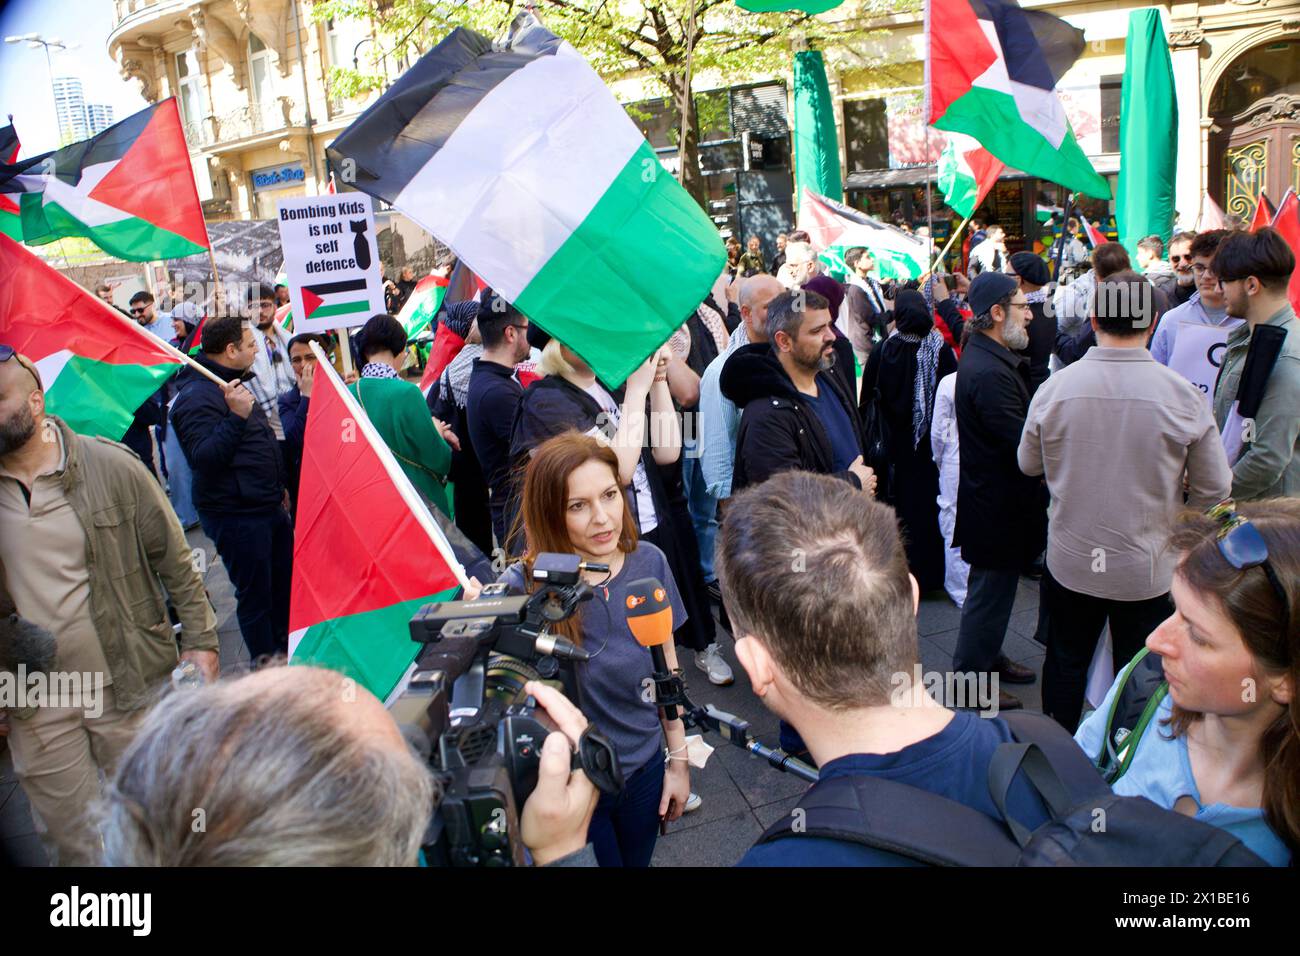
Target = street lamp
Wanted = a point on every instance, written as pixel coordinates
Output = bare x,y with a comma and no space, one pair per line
35,40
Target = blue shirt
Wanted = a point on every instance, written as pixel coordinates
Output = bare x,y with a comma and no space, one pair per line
954,763
845,447
1161,771
1192,311
719,422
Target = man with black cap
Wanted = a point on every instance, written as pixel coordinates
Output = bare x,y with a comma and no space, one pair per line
1034,277
1001,513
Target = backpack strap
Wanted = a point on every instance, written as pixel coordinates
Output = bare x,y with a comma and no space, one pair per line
899,819
1142,688
1050,761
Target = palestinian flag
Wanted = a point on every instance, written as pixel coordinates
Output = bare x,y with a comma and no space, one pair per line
10,223
517,156
967,171
193,343
992,70
1210,216
130,190
835,228
1287,224
423,304
366,553
325,300
97,366
1094,236
1263,215
1044,213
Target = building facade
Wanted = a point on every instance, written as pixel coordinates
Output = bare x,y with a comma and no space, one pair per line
251,78
99,117
70,107
1236,67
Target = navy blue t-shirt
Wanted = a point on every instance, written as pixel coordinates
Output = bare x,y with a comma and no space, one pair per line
954,763
845,447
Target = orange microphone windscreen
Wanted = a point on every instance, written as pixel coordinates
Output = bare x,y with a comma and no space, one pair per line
649,615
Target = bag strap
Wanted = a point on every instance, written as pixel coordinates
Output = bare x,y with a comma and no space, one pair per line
897,818
1142,688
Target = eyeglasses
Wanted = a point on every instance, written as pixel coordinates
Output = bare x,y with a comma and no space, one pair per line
138,309
1200,269
1243,547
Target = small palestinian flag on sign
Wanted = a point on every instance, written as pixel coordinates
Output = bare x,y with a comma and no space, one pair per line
325,300
11,223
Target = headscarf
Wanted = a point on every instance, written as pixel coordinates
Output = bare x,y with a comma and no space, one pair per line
913,322
832,290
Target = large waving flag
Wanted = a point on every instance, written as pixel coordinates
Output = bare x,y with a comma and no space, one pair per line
519,158
366,551
422,304
1148,134
97,365
130,190
992,74
967,171
835,228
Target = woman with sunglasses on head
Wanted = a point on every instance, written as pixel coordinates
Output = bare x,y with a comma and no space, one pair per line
1222,742
574,501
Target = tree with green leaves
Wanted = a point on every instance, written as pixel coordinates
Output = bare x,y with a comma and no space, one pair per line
668,42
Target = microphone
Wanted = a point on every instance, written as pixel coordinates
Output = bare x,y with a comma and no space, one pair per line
650,618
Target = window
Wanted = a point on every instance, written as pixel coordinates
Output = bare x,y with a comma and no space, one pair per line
259,70
193,96
866,134
1110,102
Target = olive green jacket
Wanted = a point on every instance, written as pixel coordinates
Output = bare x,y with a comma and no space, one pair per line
134,547
1270,464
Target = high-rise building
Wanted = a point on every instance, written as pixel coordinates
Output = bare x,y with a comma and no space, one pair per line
70,106
99,117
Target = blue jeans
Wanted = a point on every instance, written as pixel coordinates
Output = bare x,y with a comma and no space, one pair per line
180,480
702,506
624,830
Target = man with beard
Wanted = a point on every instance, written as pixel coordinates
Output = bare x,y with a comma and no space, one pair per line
88,543
1180,258
272,370
1001,513
795,415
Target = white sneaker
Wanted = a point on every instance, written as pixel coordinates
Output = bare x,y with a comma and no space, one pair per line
693,803
711,662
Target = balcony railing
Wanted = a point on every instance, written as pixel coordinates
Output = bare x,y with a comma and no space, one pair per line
256,119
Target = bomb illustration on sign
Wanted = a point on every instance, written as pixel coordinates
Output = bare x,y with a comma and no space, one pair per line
360,245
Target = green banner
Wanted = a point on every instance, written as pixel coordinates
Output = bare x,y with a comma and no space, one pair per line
1148,134
816,146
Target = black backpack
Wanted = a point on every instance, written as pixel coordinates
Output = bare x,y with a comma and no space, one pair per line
1088,826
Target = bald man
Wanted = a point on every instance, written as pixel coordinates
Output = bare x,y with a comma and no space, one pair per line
87,543
719,417
303,767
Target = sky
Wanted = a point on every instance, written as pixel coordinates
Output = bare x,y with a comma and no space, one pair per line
25,81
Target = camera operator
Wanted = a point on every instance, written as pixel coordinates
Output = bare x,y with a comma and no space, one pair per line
299,766
815,578
573,501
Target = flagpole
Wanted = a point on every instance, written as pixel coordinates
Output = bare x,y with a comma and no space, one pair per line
951,239
1065,224
167,346
929,213
402,483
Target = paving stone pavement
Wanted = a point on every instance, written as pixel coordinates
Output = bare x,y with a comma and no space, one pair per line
742,795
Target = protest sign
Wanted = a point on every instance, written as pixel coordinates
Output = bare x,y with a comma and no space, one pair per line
1198,353
331,260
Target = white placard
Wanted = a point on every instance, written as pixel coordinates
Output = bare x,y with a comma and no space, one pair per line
331,260
1198,353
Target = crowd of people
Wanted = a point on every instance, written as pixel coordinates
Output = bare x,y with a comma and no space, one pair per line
798,464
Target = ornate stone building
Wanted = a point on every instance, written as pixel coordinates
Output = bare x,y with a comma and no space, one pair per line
251,80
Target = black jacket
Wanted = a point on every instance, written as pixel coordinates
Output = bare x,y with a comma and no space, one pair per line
237,463
1001,513
1042,342
294,406
778,430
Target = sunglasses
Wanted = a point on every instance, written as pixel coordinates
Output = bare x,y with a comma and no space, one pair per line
138,309
1243,547
7,352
